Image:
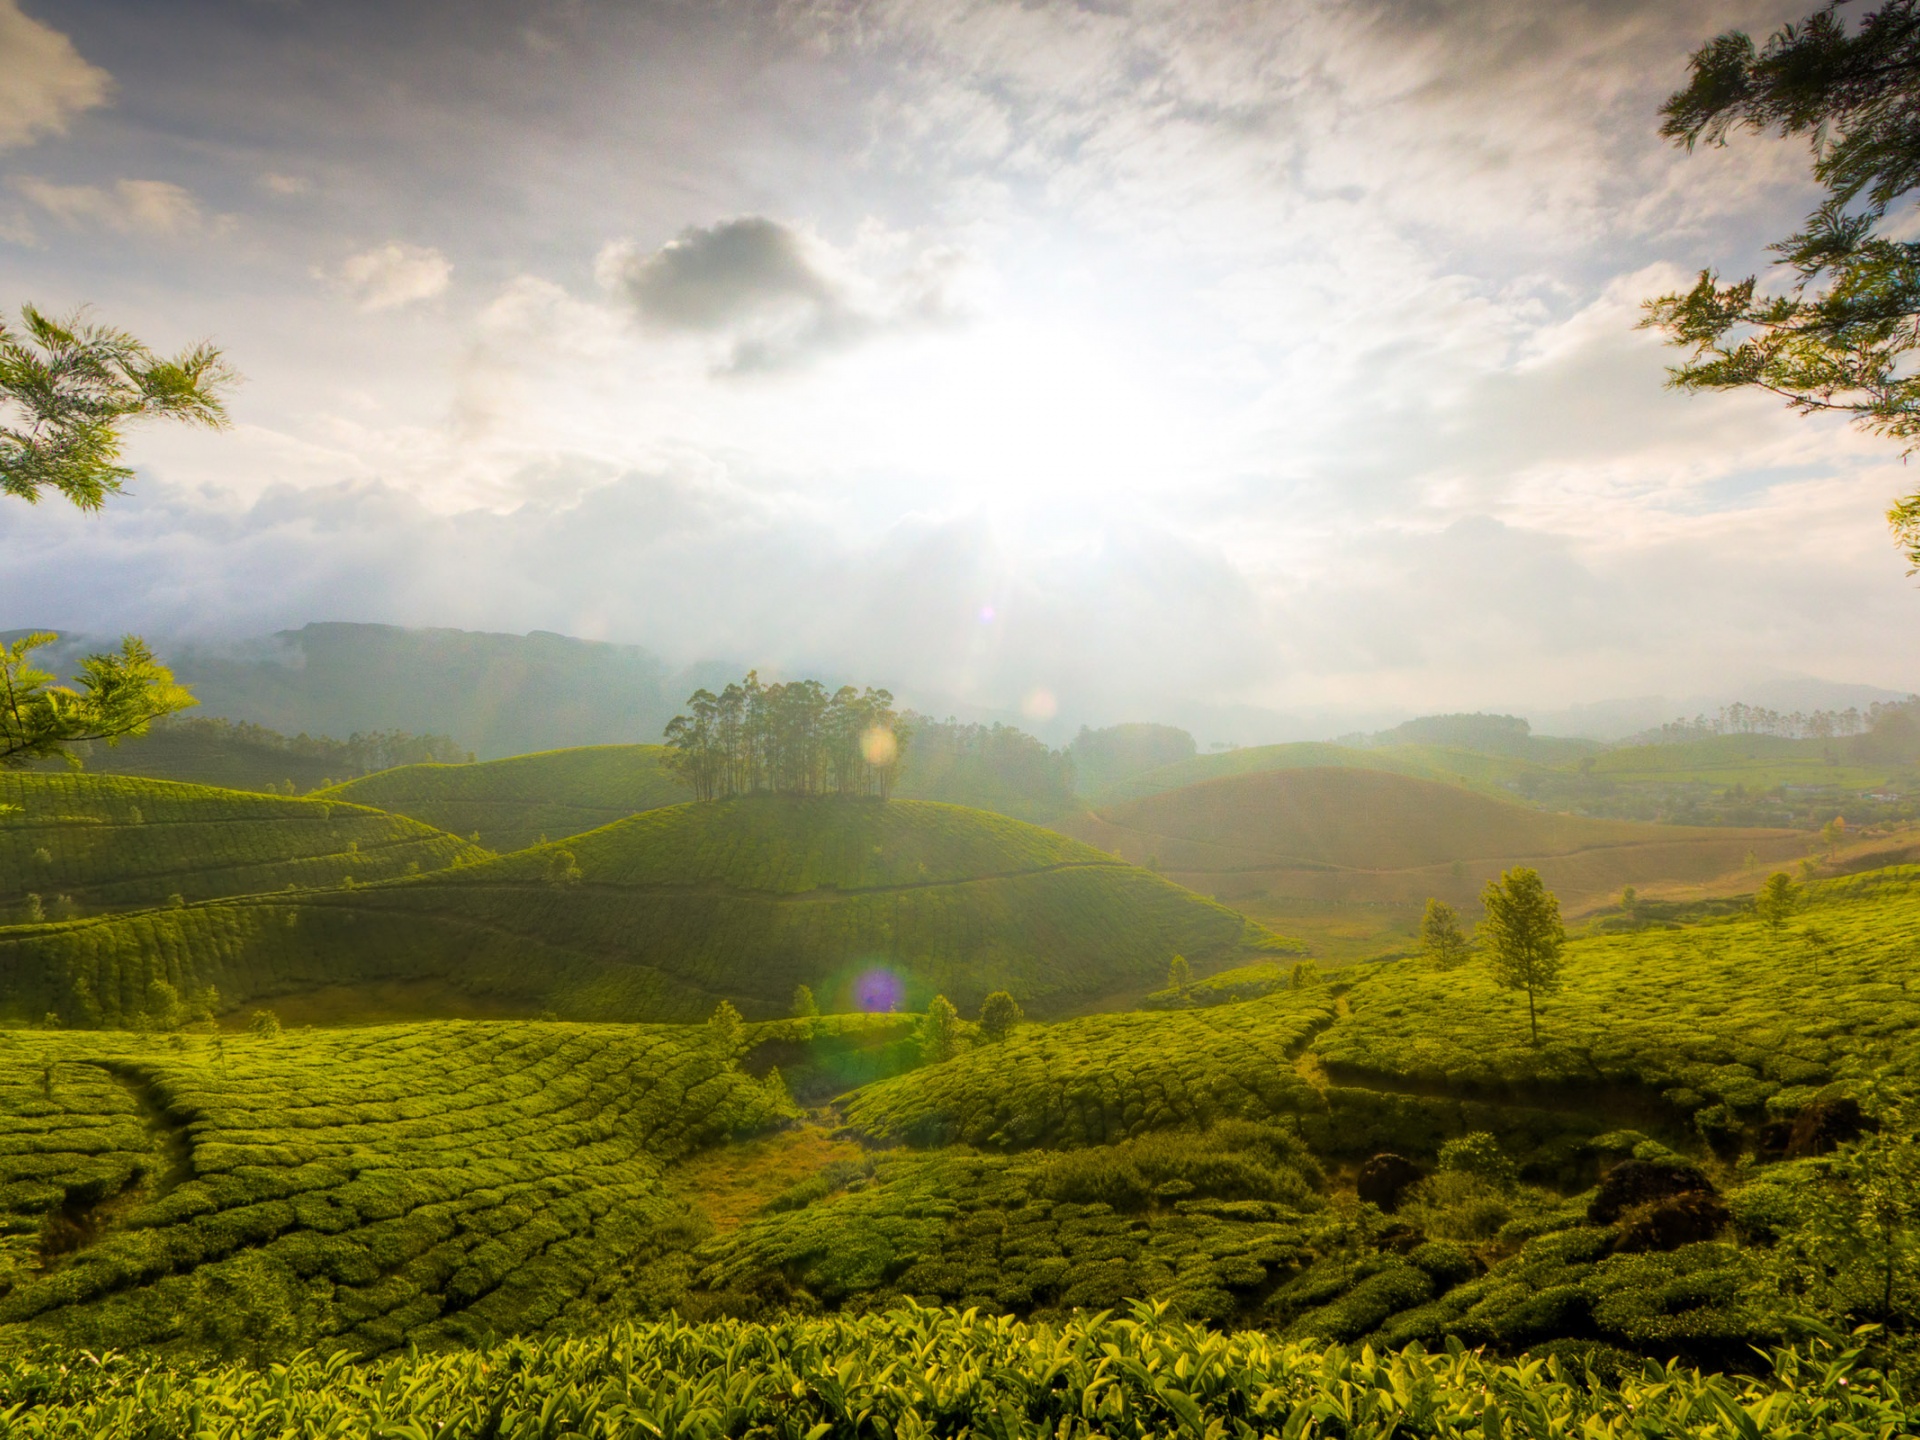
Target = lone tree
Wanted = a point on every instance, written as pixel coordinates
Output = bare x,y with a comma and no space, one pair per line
1840,338
1523,936
805,1007
1179,974
999,1013
68,388
940,1031
725,1027
1441,940
1776,901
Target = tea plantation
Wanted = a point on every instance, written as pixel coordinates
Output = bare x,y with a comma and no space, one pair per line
86,843
527,799
345,1188
662,915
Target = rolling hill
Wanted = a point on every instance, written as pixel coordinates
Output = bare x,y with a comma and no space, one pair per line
1338,833
662,915
1493,773
528,799
85,843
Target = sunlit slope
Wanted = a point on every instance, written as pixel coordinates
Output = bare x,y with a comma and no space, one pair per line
511,804
1759,762
112,841
1338,834
662,915
341,1189
1653,1030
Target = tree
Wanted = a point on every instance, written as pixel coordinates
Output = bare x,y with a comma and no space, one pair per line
67,390
1440,937
118,695
999,1013
804,1005
1304,975
265,1025
725,1027
1179,974
1776,901
1840,338
70,386
940,1031
1523,937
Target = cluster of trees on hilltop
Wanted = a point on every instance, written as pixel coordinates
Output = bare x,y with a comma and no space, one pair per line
1738,719
791,739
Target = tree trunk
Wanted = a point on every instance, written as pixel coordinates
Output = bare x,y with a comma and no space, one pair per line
1533,1020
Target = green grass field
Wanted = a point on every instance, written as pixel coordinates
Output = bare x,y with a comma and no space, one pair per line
662,915
89,843
526,800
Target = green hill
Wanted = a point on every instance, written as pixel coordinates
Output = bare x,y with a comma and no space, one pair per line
662,915
511,804
85,843
1347,857
1494,773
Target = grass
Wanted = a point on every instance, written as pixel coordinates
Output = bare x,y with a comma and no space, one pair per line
528,799
86,843
942,1373
344,1189
662,915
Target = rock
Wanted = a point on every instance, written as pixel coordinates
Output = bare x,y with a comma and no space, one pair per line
1668,1224
1385,1178
1826,1125
1637,1182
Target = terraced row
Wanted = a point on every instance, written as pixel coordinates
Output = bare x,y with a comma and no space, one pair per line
346,1188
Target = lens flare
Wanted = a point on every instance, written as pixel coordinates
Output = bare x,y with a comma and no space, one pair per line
1040,705
880,746
879,992
986,614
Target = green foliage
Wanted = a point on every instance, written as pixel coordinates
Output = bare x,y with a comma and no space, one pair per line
939,1031
992,767
514,803
726,1028
1179,974
1440,938
999,1013
804,1005
1842,337
1477,1153
927,1372
118,695
791,739
743,899
1104,758
341,1189
1524,936
68,387
111,842
1777,900
240,756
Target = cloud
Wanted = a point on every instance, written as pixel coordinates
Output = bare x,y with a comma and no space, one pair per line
275,183
777,298
44,81
391,275
127,207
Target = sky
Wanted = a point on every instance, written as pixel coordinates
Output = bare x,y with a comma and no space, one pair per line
1093,360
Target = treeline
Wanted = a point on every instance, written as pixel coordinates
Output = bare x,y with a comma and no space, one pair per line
992,767
1740,719
790,739
243,756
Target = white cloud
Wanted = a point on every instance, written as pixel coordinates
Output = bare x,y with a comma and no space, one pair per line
44,81
391,275
145,207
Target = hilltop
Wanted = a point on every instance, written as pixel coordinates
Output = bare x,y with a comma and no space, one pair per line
83,843
662,915
528,799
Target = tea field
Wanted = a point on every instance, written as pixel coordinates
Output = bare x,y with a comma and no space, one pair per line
926,1373
87,843
662,915
342,1188
527,799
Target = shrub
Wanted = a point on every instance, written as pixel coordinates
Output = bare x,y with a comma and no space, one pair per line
265,1025
1478,1153
999,1013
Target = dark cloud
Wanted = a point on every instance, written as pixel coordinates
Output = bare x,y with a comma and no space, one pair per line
719,276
